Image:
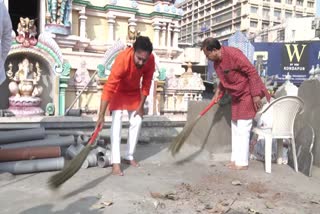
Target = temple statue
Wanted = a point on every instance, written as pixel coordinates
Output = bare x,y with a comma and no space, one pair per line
58,12
27,32
25,89
132,34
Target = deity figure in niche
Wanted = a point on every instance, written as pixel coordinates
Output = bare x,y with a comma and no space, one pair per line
24,82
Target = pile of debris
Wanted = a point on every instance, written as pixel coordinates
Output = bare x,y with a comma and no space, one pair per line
33,150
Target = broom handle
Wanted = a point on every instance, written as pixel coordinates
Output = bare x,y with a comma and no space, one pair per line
80,93
210,105
95,134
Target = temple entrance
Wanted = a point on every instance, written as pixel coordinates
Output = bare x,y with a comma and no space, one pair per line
18,8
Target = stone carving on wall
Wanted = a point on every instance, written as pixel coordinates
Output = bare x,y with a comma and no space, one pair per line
81,76
27,32
25,89
25,80
58,16
58,12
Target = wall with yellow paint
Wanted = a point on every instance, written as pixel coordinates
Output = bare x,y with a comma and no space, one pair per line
75,23
145,29
121,28
97,28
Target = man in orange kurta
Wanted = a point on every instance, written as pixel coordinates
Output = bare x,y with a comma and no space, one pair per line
126,89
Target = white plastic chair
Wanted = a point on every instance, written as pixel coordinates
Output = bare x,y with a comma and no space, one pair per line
284,111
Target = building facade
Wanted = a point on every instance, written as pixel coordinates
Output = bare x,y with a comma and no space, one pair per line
291,30
221,18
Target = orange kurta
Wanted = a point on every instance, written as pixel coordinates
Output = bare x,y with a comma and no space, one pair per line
124,86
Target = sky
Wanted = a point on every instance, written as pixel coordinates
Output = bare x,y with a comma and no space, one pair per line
318,7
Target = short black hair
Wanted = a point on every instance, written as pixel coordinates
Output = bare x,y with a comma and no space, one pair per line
210,43
143,43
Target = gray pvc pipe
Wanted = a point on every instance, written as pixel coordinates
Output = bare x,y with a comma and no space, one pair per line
90,161
104,159
31,166
73,150
58,141
21,135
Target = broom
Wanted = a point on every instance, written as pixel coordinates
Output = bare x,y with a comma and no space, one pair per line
75,164
184,134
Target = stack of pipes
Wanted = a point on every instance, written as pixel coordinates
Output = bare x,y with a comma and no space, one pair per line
33,150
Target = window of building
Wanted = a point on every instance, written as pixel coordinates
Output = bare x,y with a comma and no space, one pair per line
265,25
264,37
288,1
222,18
195,26
253,24
237,12
293,34
310,4
265,13
299,2
298,15
288,14
277,13
254,9
278,1
280,35
189,29
237,26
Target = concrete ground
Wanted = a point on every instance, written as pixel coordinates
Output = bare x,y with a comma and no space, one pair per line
193,183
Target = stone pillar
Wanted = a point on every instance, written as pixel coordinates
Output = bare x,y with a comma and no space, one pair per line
42,18
163,35
156,38
176,32
82,20
111,22
169,30
62,97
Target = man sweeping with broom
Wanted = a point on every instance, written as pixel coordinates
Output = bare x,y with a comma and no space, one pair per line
241,81
126,90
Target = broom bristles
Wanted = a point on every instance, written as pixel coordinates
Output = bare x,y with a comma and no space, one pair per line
183,135
75,164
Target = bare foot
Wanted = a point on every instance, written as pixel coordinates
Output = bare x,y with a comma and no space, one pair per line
235,167
116,170
131,162
231,163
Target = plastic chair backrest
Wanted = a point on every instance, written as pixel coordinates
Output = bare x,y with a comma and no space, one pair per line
285,109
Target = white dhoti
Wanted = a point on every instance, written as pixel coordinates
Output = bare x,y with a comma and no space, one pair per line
133,134
240,141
